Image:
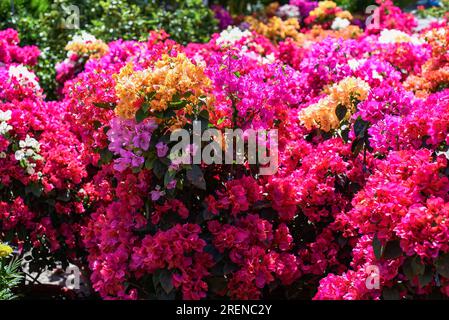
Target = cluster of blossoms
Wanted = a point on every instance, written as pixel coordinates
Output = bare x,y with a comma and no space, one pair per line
28,150
23,76
344,95
223,16
153,88
275,28
304,6
79,50
11,52
327,13
434,74
129,140
5,116
41,161
361,189
5,250
86,44
288,11
231,36
388,16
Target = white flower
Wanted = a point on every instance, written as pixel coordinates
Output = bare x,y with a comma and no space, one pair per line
32,143
19,155
29,152
4,128
376,75
30,170
23,75
257,57
84,37
340,23
29,143
270,58
354,64
5,115
252,55
199,60
288,11
441,32
232,35
2,155
425,23
397,36
392,36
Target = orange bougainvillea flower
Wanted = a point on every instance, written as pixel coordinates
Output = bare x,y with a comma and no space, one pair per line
170,76
275,29
87,44
322,114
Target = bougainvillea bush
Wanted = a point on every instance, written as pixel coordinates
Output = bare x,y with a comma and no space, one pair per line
357,208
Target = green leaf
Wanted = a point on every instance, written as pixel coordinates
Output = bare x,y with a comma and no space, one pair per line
408,269
442,265
204,114
188,94
169,114
357,146
97,124
163,279
202,101
166,281
237,74
426,277
413,267
341,111
360,127
150,96
392,250
196,177
23,163
158,169
377,247
145,106
35,188
217,284
168,177
140,115
105,156
220,121
176,105
418,268
149,164
105,105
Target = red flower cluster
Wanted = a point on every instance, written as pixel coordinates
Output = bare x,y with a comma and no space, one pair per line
357,209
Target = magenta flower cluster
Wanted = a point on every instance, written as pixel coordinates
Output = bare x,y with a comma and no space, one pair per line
361,192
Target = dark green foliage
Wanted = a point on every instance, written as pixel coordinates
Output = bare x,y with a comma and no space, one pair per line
41,23
10,277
